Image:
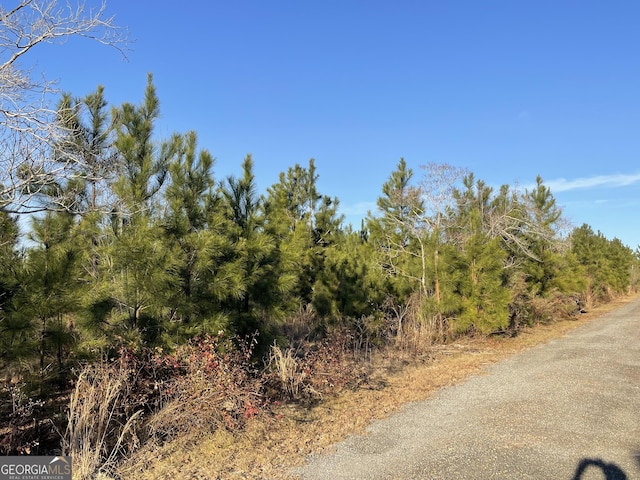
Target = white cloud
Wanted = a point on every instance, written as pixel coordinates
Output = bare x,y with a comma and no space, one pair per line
598,181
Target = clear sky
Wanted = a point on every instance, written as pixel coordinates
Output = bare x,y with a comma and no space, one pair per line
506,88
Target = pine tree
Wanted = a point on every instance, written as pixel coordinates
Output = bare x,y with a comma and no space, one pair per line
140,266
263,300
411,233
51,285
399,232
608,263
621,259
88,145
437,188
484,295
206,270
543,264
303,223
351,285
15,331
136,263
144,162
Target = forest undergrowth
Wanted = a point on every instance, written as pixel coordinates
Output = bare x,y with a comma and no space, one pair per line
209,409
280,437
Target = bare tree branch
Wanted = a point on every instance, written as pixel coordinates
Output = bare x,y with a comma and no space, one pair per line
29,132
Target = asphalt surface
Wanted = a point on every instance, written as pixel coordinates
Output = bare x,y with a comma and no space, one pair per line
569,409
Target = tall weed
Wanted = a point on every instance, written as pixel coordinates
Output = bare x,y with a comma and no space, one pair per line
99,430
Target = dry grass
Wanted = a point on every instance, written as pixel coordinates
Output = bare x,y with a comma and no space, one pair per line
96,428
287,371
271,445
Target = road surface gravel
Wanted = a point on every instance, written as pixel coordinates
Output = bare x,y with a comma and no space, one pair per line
569,409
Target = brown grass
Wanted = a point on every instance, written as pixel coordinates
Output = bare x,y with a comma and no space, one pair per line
271,445
287,371
96,428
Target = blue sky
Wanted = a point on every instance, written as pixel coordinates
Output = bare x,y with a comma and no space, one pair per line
508,89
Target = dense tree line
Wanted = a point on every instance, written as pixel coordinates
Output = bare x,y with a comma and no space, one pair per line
143,246
116,245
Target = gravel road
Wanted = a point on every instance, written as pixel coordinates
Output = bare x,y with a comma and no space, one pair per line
569,409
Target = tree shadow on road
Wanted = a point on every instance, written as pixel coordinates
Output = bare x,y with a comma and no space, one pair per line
610,470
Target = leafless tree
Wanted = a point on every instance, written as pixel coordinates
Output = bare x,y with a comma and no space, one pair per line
419,218
415,234
437,186
523,220
29,132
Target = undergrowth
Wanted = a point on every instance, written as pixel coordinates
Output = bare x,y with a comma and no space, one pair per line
149,397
